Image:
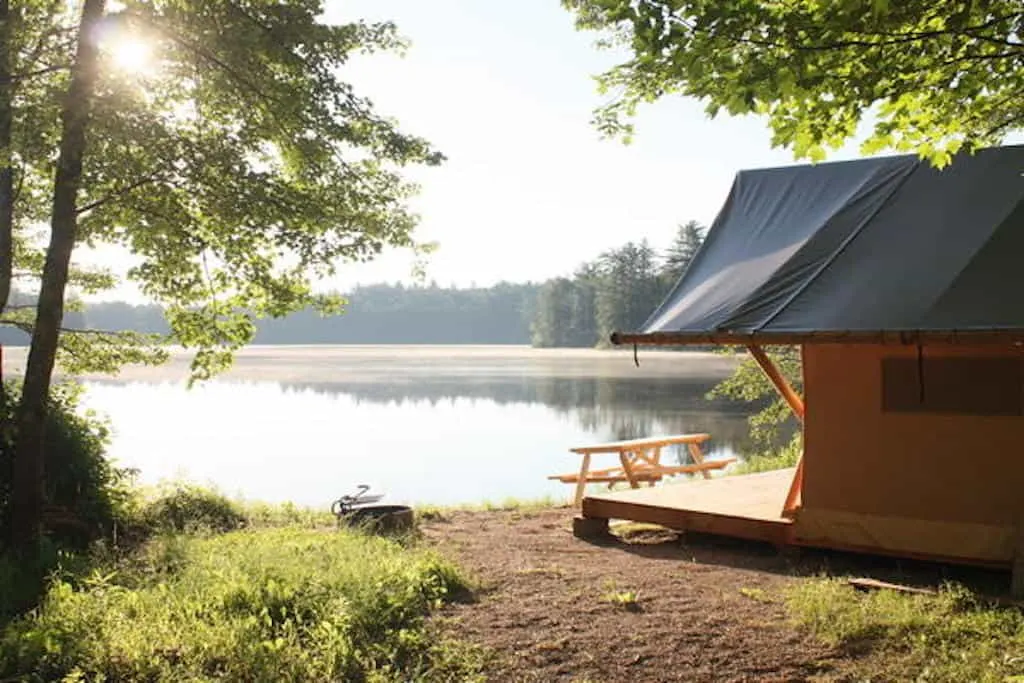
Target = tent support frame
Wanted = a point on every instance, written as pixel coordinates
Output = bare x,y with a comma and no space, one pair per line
796,404
897,337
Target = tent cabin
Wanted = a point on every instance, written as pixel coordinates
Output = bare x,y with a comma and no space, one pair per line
903,287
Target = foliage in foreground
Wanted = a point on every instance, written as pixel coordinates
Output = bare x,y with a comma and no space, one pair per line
947,637
87,495
282,604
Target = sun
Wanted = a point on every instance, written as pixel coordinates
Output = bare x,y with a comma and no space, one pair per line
132,55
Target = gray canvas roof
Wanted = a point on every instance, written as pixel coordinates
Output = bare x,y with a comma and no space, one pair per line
885,245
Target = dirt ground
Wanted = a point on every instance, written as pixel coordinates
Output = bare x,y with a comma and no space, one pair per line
556,608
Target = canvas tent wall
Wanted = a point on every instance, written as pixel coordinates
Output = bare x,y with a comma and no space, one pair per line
915,455
904,285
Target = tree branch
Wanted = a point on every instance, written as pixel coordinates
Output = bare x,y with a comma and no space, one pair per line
118,193
894,38
977,57
204,54
1004,125
27,327
17,78
33,57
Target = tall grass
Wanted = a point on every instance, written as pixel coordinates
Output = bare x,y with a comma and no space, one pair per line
950,636
255,605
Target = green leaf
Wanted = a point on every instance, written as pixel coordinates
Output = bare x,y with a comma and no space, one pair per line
931,80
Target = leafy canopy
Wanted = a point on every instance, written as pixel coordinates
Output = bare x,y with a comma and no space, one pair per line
934,77
225,151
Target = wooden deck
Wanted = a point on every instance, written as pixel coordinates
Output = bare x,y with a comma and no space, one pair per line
747,506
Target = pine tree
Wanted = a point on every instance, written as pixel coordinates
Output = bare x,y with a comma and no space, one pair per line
688,240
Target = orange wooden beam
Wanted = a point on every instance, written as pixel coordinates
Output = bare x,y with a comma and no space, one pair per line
792,398
796,487
796,404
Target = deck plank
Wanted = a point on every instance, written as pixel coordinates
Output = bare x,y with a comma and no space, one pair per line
746,506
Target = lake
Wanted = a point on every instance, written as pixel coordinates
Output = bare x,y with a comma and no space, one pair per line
442,424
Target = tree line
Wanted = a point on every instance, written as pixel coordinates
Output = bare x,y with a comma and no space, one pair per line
618,290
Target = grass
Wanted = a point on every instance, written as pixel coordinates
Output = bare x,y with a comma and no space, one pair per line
951,636
184,506
286,514
258,605
510,504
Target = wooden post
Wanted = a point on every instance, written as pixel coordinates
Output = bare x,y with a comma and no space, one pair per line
793,501
590,528
627,468
581,485
1017,577
796,404
698,457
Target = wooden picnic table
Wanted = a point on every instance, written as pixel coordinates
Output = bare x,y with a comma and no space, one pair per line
639,461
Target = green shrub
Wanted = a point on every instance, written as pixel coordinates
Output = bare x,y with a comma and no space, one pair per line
87,497
750,385
266,605
784,457
187,508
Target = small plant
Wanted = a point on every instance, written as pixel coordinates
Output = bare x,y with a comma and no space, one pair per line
628,600
757,594
555,571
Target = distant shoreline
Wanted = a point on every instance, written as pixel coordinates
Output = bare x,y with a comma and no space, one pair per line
318,363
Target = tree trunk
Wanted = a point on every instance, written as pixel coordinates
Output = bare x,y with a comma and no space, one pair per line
28,475
6,169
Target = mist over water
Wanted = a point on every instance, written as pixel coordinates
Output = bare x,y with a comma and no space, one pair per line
440,425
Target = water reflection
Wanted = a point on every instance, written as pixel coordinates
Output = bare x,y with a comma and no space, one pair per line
434,435
610,408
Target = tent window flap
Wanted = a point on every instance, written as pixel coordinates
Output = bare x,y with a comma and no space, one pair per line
964,386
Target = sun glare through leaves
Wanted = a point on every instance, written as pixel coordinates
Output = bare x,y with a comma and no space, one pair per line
131,54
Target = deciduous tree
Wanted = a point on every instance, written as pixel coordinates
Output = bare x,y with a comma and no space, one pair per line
931,77
215,141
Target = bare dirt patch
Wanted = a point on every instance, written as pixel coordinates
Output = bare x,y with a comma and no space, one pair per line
647,607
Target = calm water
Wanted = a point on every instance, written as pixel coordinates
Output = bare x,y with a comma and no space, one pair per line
421,424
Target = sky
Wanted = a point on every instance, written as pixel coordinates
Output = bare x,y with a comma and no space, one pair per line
530,190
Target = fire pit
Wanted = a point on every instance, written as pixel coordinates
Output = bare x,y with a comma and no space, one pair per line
358,511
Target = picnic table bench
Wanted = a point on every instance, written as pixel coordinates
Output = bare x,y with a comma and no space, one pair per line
639,461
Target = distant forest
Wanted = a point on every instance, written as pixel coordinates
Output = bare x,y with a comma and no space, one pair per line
618,290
